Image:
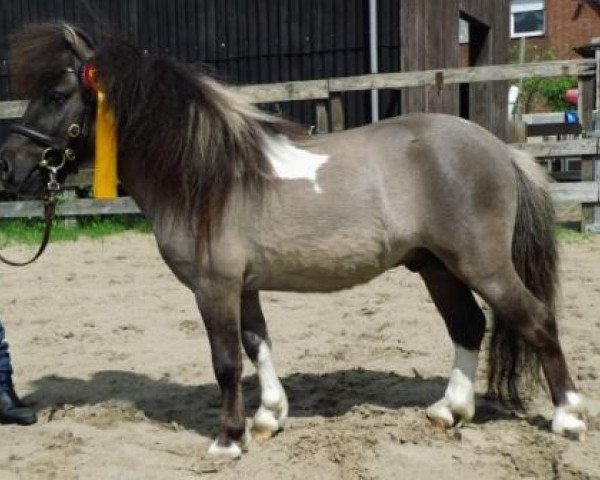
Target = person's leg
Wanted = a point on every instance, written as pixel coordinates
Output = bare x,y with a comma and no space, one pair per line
12,410
5,366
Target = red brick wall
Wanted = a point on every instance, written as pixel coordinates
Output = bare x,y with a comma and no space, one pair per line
568,26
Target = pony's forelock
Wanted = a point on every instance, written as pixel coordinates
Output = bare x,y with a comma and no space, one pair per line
39,54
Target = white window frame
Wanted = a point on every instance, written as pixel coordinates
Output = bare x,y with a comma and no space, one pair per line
521,6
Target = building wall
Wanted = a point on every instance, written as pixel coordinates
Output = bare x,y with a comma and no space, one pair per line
569,24
429,40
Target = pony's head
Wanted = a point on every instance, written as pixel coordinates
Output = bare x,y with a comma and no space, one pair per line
53,137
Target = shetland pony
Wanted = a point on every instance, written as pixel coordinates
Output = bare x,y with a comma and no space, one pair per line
240,202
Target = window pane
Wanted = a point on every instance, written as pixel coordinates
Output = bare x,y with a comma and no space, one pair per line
529,21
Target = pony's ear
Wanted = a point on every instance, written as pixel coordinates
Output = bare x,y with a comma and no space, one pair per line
79,42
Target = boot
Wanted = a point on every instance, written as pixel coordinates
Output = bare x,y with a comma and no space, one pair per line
12,409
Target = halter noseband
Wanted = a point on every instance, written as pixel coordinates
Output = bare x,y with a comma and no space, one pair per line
57,152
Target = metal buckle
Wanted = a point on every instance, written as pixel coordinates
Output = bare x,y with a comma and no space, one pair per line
74,130
47,154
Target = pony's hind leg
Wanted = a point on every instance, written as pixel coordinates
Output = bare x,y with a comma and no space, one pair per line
520,311
466,325
273,410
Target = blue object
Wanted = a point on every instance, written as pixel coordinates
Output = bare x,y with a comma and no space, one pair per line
571,116
5,366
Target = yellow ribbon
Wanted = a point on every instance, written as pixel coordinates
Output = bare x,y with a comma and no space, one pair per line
105,168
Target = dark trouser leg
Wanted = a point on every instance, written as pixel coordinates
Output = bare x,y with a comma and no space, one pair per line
12,410
5,365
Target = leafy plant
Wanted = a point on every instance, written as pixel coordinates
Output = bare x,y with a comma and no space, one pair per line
552,90
546,93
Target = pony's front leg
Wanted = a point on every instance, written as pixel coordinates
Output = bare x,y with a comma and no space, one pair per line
273,410
219,304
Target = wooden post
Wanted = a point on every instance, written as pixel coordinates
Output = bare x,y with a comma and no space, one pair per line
585,102
337,112
588,104
69,221
322,114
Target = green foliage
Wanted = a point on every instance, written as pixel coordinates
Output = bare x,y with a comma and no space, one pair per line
29,231
548,91
552,90
570,235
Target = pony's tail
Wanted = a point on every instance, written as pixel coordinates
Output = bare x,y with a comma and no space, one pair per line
513,366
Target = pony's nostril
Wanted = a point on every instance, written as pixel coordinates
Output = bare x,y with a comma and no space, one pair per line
6,162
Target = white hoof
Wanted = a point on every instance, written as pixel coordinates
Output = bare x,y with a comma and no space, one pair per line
458,404
452,410
440,414
232,451
567,418
265,419
270,416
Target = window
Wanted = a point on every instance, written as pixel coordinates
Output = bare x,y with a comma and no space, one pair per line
463,31
527,18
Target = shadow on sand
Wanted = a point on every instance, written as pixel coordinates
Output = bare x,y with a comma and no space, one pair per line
197,407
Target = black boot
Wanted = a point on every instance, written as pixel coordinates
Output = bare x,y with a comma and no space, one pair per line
12,409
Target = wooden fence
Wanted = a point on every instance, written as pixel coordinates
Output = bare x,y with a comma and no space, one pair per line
330,118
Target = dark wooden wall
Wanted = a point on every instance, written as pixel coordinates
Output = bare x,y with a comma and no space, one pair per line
429,39
264,41
245,41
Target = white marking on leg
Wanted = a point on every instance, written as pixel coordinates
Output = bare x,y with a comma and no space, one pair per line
219,451
566,419
274,406
292,162
459,399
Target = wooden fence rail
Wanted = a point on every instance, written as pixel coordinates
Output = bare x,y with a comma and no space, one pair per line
322,89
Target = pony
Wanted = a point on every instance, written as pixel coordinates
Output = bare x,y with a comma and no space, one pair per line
241,202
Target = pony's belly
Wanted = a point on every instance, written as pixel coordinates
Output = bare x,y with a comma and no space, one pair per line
316,273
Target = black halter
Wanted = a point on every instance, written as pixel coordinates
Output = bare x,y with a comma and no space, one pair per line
57,153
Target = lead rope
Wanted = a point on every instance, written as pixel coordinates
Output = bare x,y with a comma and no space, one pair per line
49,210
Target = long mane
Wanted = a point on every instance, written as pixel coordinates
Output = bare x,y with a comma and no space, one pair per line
192,137
195,138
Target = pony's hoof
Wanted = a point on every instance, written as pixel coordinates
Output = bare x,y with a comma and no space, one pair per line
232,451
568,424
262,434
265,424
439,414
567,419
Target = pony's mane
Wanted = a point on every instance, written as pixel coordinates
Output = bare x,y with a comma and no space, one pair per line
195,138
192,137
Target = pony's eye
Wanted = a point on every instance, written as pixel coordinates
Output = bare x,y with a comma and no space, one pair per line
57,98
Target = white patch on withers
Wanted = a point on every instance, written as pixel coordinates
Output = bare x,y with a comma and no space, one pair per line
291,162
458,404
273,409
566,419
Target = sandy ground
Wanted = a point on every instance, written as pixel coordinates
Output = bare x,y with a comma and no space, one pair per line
110,350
